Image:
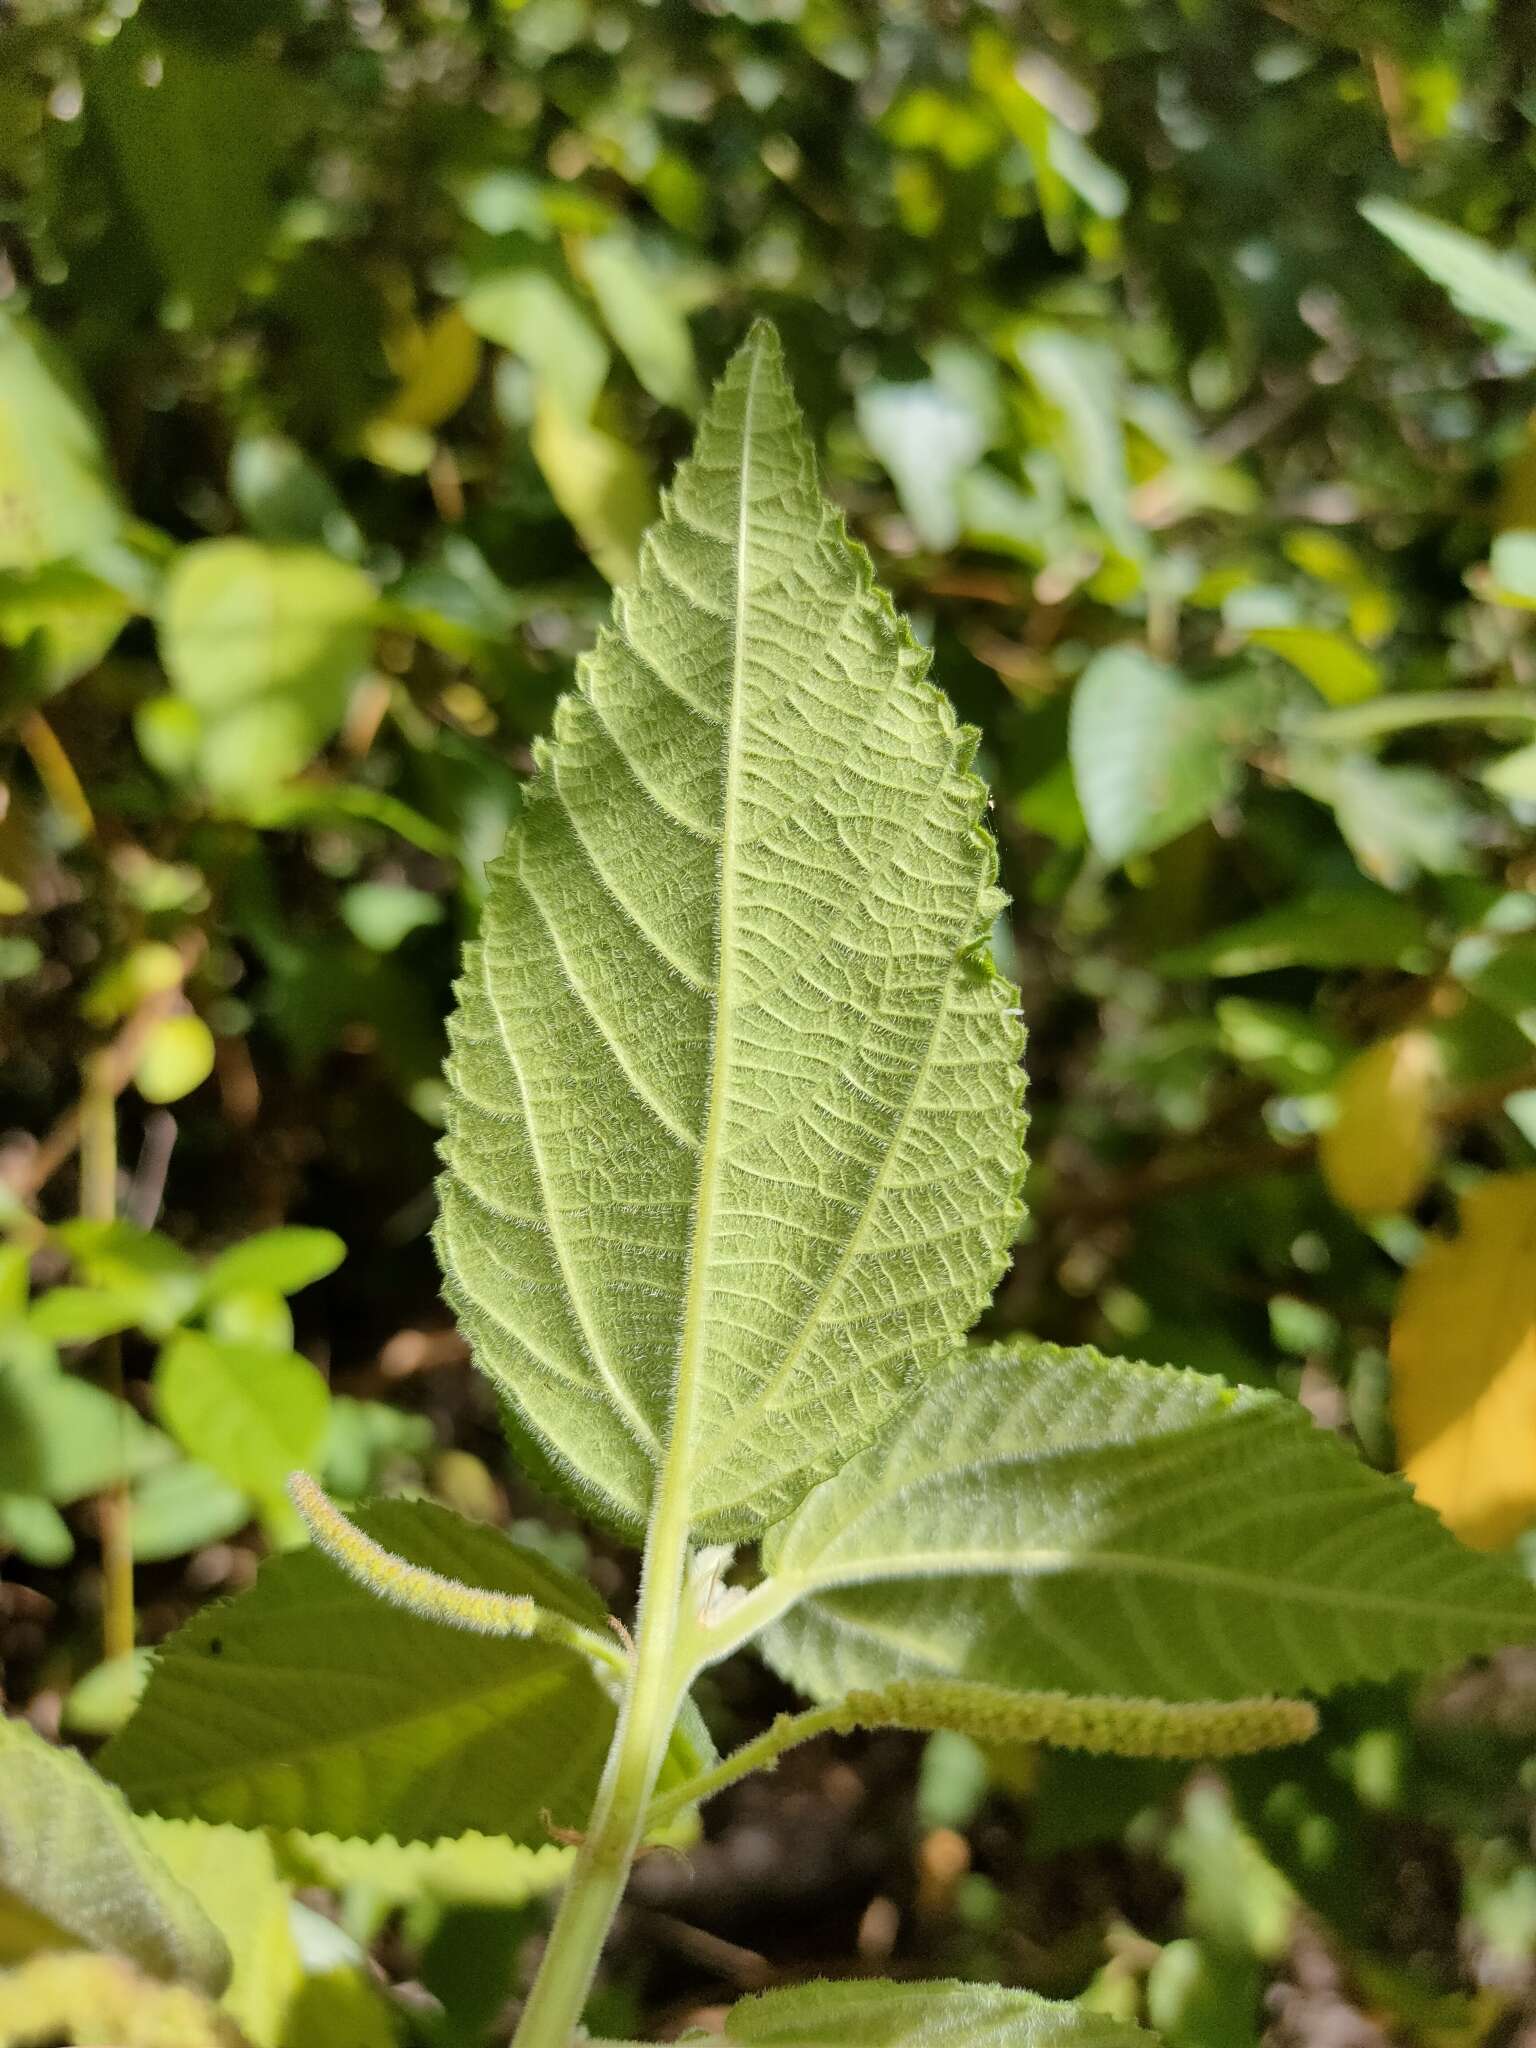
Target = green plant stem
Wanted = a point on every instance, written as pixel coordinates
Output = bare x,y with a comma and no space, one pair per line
1429,707
98,1204
646,1716
787,1732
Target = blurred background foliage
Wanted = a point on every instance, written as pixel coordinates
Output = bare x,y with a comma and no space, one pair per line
1175,361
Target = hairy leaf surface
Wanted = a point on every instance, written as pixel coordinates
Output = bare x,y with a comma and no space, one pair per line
75,1868
307,1703
735,1135
874,2013
1053,1518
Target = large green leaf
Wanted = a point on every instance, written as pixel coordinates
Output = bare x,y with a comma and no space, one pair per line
64,1439
735,1132
308,1703
875,2013
1485,283
265,644
197,137
1151,754
1053,1518
56,496
251,1414
74,1869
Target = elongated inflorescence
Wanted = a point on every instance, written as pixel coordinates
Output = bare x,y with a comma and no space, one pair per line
412,1586
1102,1724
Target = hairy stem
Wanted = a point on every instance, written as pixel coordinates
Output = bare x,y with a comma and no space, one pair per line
646,1716
98,1204
786,1732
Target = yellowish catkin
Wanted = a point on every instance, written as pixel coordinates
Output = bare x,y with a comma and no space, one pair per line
411,1586
1102,1724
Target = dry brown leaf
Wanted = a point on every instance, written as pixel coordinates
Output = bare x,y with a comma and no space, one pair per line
1464,1367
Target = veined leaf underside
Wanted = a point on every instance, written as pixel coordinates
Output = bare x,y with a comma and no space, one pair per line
735,1140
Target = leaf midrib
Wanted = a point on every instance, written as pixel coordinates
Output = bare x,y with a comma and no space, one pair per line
939,1564
676,1469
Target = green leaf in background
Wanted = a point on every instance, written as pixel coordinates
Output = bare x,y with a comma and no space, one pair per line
283,496
1050,1518
65,1440
871,2013
307,1703
384,914
601,485
282,1261
643,319
995,69
177,1056
74,1868
35,1530
1331,662
179,1508
469,1869
70,615
234,1873
265,644
99,1703
1152,754
143,1267
1326,927
1485,283
56,495
528,310
1399,822
78,1997
928,439
198,136
251,1414
729,1034
1080,380
1512,567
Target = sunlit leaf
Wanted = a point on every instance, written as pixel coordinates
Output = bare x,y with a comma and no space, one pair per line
177,1056
1044,1517
1464,1366
251,1414
730,1035
927,439
1485,283
1151,754
72,1855
308,1703
528,310
1340,671
870,2013
265,644
1379,1152
56,496
643,319
102,1999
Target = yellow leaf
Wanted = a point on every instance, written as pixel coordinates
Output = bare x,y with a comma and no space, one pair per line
1464,1367
1331,662
599,483
437,365
1380,1150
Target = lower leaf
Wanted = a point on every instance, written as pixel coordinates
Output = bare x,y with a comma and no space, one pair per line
874,2013
306,1703
1051,1518
74,1868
